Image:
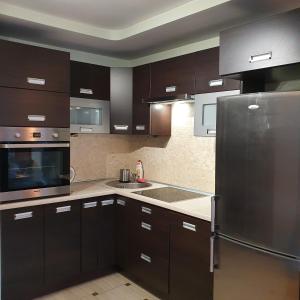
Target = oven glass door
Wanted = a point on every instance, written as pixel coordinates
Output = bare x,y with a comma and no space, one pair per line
31,166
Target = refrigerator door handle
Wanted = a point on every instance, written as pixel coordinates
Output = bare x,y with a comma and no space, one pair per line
211,261
213,213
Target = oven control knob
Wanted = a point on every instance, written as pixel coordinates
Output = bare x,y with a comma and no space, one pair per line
55,135
17,135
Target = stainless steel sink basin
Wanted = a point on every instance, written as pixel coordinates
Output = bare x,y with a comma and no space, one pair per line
128,185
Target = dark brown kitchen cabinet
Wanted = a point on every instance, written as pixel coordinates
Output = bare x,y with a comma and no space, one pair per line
90,238
190,277
22,253
28,108
263,44
62,243
107,233
161,119
141,92
173,76
90,81
30,67
207,75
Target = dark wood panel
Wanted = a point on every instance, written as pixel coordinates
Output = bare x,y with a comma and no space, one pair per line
93,77
160,119
278,35
189,260
20,62
17,104
62,244
141,92
22,257
207,70
178,71
90,235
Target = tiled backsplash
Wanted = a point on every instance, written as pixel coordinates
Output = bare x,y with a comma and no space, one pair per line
182,159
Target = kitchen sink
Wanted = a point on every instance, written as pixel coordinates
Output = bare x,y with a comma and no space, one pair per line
128,185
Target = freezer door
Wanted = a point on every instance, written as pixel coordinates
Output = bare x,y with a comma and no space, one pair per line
258,170
248,274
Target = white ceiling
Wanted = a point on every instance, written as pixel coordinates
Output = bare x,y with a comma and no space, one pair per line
111,14
102,28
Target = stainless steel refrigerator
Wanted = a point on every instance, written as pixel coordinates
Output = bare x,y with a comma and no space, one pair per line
256,211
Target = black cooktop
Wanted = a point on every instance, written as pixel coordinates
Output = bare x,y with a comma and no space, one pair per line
170,194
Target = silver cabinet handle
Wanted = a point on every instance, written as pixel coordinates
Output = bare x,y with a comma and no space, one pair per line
121,202
121,127
171,89
86,129
211,260
146,210
189,226
146,258
86,91
36,81
146,226
90,204
63,209
260,57
107,202
211,132
140,127
213,213
36,118
216,82
25,215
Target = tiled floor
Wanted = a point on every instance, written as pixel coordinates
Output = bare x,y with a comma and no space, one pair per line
111,287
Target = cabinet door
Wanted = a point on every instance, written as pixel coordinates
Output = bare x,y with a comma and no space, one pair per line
160,119
90,235
208,79
27,108
107,247
173,76
268,43
30,67
90,81
190,277
22,257
62,243
141,92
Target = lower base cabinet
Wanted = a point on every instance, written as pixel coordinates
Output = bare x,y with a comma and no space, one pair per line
45,248
22,253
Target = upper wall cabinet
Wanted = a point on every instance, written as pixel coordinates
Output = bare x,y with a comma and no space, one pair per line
172,77
269,43
30,67
207,75
90,81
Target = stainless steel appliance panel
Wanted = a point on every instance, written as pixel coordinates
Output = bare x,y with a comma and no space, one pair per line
245,273
258,170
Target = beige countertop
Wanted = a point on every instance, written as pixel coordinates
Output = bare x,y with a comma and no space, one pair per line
198,207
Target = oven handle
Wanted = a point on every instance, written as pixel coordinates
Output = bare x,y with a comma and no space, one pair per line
20,146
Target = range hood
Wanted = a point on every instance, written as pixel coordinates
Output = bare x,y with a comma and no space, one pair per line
171,99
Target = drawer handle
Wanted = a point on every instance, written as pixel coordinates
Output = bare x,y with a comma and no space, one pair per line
107,202
140,127
189,226
36,81
146,210
86,91
146,226
63,209
171,89
121,127
90,204
37,118
86,129
260,57
121,202
216,82
146,258
25,215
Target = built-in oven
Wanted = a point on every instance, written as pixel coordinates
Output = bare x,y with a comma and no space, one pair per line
34,162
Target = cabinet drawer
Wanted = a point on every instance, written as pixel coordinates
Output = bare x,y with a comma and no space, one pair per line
27,108
269,43
30,67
